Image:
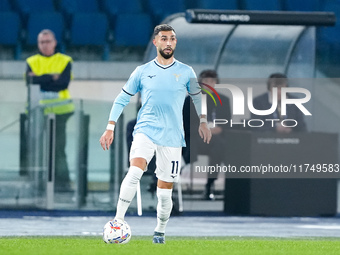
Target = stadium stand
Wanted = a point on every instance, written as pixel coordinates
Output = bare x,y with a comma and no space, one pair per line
114,7
90,29
263,5
76,6
300,5
71,7
137,33
45,20
329,37
219,4
5,6
29,6
34,14
191,4
26,7
10,32
159,13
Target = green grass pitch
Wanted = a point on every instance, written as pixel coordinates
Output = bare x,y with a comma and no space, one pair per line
173,246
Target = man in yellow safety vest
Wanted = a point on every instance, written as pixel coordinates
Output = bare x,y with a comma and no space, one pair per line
52,71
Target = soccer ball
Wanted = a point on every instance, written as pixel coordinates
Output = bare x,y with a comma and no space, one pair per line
116,231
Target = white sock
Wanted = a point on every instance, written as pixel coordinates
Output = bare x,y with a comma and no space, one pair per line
164,208
128,190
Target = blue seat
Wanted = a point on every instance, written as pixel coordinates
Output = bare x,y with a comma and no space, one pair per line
70,7
90,29
76,6
114,7
25,7
263,5
39,21
302,5
5,6
136,33
192,4
10,27
219,4
160,9
331,35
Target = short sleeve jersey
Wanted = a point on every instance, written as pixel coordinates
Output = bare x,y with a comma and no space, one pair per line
163,90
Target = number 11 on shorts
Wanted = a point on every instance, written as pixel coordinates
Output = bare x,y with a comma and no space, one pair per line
174,170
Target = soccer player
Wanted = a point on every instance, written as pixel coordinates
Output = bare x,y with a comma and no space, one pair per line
163,83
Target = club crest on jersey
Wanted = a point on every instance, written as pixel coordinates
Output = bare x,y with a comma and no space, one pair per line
177,76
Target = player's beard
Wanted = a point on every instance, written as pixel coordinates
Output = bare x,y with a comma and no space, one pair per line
166,56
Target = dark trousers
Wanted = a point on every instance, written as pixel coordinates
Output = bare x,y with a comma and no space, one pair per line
61,168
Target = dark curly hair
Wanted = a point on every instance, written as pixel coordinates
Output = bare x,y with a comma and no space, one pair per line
162,27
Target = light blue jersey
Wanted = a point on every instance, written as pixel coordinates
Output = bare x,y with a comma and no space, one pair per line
163,90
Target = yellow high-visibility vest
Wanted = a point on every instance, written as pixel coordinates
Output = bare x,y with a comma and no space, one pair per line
53,102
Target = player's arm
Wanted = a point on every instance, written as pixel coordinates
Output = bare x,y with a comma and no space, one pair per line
130,88
195,94
203,129
117,108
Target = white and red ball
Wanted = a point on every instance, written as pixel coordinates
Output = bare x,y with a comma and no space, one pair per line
117,231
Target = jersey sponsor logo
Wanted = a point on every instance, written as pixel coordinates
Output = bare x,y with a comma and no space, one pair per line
151,76
177,76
